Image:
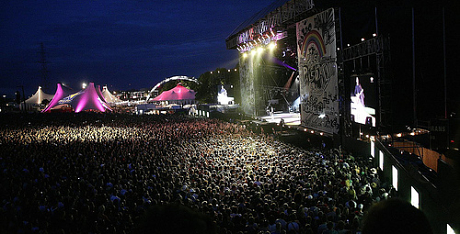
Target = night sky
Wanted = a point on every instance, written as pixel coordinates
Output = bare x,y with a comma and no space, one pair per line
125,44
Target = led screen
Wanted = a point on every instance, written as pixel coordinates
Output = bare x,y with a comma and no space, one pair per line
364,99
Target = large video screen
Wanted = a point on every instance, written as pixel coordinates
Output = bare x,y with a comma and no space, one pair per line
225,94
364,101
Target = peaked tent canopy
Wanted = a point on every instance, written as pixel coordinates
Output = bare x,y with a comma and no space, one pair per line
177,93
87,99
36,100
99,94
60,93
39,96
110,98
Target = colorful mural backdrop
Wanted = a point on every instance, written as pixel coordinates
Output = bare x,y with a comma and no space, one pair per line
317,50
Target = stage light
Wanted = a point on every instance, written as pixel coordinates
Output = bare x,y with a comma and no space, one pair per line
260,50
322,115
272,46
245,55
374,34
83,85
321,133
228,70
312,131
372,148
394,173
253,52
348,45
414,197
450,230
363,39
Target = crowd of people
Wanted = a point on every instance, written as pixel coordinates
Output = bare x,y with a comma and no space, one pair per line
102,173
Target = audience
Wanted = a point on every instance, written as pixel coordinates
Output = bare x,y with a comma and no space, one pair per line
107,173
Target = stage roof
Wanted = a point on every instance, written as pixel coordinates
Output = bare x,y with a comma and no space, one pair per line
257,16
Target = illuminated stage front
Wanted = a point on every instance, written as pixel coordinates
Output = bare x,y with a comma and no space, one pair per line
288,118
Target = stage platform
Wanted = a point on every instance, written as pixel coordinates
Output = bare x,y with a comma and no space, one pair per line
292,119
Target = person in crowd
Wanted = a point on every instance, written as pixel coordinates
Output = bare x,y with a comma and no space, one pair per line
395,216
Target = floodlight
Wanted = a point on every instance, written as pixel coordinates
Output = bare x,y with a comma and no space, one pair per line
394,172
414,198
260,50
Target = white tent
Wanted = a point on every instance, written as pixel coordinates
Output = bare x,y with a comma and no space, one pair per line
109,98
37,99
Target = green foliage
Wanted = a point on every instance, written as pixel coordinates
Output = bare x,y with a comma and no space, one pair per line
206,89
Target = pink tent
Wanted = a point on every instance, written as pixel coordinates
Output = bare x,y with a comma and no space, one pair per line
60,94
177,93
87,99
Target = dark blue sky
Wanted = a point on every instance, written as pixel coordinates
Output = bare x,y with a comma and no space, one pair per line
122,43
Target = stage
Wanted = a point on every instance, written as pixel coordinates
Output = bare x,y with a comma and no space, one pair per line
292,119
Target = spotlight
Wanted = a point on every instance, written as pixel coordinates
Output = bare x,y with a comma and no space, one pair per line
272,46
253,52
363,39
245,55
374,34
260,50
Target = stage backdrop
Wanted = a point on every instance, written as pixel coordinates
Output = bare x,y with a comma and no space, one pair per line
316,46
247,84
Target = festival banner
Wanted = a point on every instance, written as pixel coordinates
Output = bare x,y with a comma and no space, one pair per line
317,61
